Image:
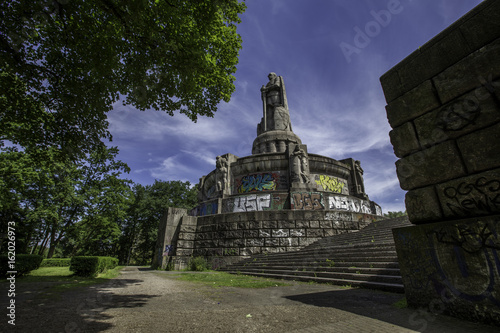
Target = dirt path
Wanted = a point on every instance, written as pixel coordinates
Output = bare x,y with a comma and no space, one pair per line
142,300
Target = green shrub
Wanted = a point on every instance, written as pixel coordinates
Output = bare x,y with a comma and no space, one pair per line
198,264
91,266
56,262
23,263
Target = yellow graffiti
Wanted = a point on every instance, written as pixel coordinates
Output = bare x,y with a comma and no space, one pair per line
331,184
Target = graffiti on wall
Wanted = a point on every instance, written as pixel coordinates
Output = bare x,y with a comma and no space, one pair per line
481,196
206,208
330,183
249,203
467,260
338,202
269,181
307,201
168,250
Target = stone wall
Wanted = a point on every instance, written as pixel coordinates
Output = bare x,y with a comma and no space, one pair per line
444,108
227,238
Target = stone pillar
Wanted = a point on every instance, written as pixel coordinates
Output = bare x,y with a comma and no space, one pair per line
444,108
168,233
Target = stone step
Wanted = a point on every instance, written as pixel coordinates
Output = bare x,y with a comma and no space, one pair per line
324,264
331,275
333,252
332,269
392,287
343,257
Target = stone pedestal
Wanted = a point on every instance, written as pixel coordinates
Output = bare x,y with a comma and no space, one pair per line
444,108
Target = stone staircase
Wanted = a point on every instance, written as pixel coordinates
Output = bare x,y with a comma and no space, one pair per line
366,258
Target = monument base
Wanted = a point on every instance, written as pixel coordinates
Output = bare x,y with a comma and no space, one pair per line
453,267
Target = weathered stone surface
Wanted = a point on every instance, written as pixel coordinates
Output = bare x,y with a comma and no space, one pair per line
280,233
412,104
471,196
442,51
289,241
453,265
422,205
460,116
420,169
469,73
297,232
404,140
480,149
314,233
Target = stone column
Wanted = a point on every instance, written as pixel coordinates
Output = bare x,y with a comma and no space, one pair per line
444,108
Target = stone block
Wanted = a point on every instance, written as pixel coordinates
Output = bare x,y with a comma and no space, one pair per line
330,232
325,224
314,224
271,242
286,224
239,242
234,234
471,196
483,28
265,233
280,233
468,73
304,241
433,165
460,116
314,233
243,225
185,244
254,242
253,225
391,85
297,232
269,224
302,224
480,150
251,233
439,53
404,140
187,235
414,103
422,205
452,266
188,228
289,242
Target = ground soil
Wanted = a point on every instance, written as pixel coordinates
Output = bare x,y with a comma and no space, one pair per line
143,300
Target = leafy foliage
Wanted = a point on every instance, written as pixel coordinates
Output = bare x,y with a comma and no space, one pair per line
140,228
198,264
24,263
92,266
392,215
64,63
56,262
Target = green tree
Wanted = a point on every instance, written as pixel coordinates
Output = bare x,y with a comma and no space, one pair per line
51,196
140,229
393,215
68,61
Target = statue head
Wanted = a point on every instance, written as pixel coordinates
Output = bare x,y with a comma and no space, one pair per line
272,76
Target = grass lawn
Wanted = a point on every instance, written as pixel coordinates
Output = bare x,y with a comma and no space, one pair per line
223,279
63,279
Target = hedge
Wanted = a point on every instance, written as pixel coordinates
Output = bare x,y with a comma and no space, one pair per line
23,263
91,266
56,262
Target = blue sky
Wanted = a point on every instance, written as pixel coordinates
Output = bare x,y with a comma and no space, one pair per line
337,106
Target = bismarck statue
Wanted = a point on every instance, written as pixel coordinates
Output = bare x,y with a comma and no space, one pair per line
274,132
276,115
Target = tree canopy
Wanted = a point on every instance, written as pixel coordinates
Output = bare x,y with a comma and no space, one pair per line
73,59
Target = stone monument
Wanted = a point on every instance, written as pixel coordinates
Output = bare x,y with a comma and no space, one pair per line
280,198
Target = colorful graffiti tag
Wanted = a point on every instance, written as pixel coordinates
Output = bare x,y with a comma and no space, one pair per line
258,182
350,204
307,201
249,203
331,184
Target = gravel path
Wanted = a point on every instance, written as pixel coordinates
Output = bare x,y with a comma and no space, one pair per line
142,300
